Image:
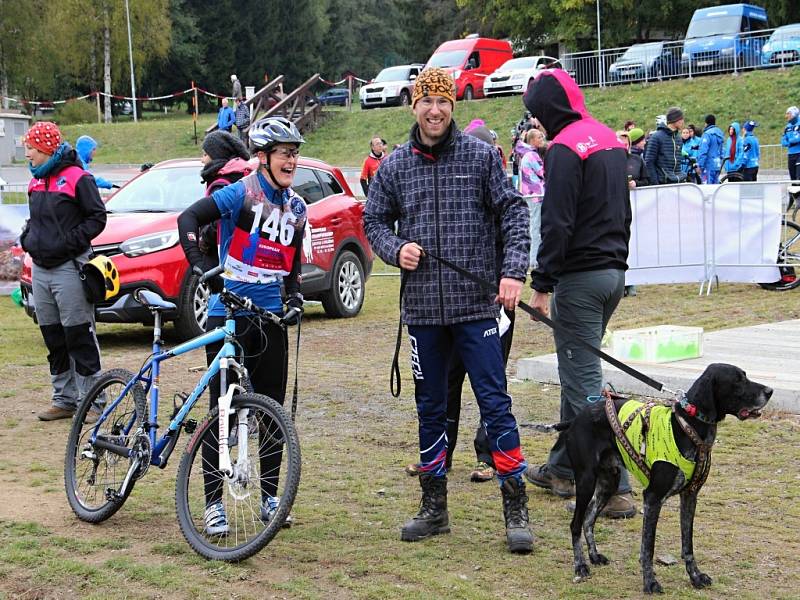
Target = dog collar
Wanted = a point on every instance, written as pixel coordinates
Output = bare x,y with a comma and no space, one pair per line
691,410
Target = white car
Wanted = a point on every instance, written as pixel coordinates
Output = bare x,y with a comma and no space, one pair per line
392,87
514,75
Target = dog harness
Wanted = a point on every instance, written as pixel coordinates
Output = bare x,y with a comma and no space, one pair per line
644,436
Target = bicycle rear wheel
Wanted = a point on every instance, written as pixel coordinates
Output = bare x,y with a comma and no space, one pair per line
93,476
788,258
269,470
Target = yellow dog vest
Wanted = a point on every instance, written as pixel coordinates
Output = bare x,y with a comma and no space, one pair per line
659,440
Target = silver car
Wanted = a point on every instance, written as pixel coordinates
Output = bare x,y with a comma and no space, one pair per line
392,87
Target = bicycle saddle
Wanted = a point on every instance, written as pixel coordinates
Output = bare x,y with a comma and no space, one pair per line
152,300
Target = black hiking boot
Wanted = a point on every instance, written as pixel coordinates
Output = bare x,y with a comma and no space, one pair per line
432,518
515,510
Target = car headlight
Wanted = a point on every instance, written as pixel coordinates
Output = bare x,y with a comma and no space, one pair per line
456,73
613,67
684,56
152,242
767,47
727,51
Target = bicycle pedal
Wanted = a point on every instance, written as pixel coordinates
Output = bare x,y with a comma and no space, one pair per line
190,425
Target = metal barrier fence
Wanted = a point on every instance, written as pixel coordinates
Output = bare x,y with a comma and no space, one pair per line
18,193
696,234
685,58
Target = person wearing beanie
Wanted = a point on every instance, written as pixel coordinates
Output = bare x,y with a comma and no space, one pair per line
751,152
733,152
791,141
86,147
582,259
662,155
449,196
377,152
709,155
66,214
635,168
225,161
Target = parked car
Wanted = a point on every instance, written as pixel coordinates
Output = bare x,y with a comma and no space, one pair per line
652,60
783,46
141,237
721,38
514,75
470,61
392,87
334,97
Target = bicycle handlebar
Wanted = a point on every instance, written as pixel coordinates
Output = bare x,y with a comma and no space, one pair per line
234,300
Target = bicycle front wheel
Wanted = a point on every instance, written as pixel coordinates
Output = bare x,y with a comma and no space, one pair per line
232,516
93,476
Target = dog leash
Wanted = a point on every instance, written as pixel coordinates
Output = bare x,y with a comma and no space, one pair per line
539,316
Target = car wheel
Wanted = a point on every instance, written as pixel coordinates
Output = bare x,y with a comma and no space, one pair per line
193,307
468,93
346,295
404,98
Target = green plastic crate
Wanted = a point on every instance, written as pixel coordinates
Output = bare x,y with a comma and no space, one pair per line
659,344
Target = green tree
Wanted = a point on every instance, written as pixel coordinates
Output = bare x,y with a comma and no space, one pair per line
23,64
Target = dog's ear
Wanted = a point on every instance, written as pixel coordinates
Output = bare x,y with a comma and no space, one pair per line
703,393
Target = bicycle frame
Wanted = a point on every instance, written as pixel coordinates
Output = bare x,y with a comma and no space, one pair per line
150,373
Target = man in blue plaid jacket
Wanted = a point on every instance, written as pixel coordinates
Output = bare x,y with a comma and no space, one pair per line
449,195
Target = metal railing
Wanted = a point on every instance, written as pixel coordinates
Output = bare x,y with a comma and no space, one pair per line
655,61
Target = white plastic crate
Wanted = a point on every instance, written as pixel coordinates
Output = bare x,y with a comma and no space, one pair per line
659,344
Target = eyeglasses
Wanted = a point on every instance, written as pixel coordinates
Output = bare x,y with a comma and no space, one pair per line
286,153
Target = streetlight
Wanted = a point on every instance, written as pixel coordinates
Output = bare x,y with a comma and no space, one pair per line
599,47
130,56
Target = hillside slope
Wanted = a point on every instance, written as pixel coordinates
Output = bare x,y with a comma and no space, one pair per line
344,136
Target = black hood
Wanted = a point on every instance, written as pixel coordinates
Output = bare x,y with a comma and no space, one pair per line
432,151
555,100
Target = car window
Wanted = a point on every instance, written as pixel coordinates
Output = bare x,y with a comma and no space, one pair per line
307,185
159,190
329,184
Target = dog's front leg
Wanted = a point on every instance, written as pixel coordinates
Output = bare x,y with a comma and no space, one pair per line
688,504
652,510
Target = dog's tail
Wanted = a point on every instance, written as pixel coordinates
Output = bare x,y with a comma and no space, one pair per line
547,427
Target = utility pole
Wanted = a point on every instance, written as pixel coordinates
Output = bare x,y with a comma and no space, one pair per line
130,56
600,69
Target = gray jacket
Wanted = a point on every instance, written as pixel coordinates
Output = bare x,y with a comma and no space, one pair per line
454,199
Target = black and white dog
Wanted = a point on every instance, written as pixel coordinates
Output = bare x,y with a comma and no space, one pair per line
590,440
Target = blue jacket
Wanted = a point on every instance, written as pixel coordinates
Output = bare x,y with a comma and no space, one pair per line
84,146
225,118
709,156
455,200
689,150
751,151
662,156
791,136
738,154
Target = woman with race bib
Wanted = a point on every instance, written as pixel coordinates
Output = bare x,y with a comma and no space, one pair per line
261,224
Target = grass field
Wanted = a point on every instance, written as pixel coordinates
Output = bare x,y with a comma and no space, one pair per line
343,138
354,495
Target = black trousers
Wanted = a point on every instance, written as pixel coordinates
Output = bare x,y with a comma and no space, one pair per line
266,359
456,373
750,173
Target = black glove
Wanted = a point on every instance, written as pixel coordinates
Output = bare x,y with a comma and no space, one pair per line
215,284
295,309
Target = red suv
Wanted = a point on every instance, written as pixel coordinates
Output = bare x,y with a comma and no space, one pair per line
141,237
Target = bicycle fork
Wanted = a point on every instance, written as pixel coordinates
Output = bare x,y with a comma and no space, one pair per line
224,411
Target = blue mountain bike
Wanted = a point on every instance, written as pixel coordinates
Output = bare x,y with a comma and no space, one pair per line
239,474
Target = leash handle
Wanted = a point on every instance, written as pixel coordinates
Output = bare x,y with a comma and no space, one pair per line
394,375
539,316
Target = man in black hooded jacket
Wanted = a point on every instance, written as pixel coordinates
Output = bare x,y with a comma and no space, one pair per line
586,217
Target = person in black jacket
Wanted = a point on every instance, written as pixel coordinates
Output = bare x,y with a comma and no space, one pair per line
663,154
586,218
637,172
66,213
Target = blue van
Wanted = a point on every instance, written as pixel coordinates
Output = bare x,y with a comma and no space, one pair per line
724,38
